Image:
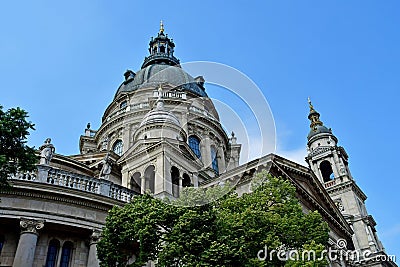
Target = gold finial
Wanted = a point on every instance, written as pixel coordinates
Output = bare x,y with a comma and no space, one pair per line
161,27
310,104
313,116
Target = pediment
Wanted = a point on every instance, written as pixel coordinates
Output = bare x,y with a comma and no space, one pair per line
319,150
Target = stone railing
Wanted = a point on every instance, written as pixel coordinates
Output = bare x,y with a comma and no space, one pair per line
170,94
57,177
73,180
202,111
121,193
25,176
137,106
330,183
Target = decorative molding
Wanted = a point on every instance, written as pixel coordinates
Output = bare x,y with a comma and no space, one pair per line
319,150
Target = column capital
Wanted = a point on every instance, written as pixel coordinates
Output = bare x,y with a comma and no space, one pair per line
95,236
31,225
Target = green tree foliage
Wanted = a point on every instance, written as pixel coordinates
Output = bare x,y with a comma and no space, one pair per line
229,231
15,155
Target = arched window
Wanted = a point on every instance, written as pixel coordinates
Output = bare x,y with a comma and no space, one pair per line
175,181
186,180
66,254
150,176
194,144
1,243
117,147
52,251
326,171
214,159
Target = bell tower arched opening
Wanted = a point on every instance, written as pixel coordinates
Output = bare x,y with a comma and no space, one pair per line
326,171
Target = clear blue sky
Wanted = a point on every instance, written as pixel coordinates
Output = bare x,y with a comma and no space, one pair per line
62,61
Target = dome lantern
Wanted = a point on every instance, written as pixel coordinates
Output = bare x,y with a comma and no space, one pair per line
161,49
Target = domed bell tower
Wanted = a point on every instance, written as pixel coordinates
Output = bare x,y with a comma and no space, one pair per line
329,162
326,159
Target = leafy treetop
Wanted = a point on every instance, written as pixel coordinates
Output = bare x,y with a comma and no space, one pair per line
15,155
229,231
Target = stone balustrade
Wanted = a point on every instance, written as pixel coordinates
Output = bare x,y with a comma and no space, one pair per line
73,180
133,107
203,112
25,176
170,94
330,183
121,193
57,177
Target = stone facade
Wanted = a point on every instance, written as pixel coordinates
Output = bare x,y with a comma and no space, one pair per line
160,133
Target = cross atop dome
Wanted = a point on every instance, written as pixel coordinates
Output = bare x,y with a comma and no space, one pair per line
161,27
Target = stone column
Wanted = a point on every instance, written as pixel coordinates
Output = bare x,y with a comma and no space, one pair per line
207,149
93,261
143,184
125,178
180,185
335,167
27,242
195,180
221,159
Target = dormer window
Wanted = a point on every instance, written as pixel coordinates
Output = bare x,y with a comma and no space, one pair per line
123,104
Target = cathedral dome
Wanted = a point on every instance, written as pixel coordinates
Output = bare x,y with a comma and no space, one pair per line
156,74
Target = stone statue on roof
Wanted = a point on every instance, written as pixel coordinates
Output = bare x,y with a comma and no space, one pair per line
46,152
107,167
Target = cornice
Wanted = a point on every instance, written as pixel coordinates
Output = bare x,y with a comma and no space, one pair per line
349,185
